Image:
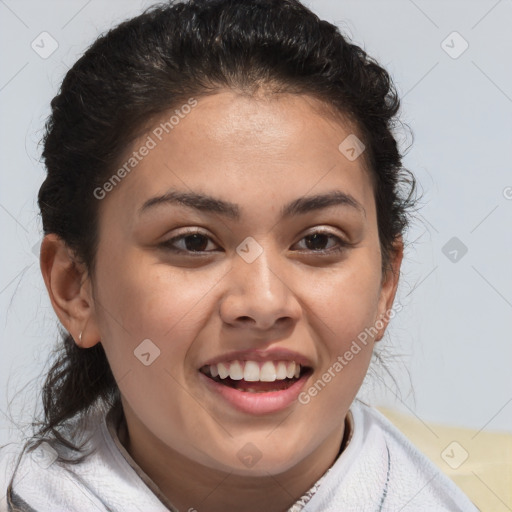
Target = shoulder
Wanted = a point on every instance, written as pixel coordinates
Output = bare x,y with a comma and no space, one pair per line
9,454
37,470
380,470
413,481
49,476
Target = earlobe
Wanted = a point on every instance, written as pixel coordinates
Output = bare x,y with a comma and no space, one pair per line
69,289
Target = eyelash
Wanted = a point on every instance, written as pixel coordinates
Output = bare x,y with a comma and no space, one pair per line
342,245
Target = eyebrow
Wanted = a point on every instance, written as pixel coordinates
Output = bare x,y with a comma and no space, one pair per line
209,204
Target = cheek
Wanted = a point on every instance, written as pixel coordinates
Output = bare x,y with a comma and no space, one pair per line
346,299
150,298
140,300
150,316
346,307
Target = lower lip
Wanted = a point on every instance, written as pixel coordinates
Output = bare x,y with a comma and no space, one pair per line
257,403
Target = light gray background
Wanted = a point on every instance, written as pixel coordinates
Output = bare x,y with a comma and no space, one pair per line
454,331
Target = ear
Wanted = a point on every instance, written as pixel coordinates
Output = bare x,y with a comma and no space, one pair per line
70,289
389,286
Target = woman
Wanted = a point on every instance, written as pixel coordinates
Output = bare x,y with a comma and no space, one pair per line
222,375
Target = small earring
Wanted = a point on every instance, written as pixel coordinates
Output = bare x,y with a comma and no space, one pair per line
80,336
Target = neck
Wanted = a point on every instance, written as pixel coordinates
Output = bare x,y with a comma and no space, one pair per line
194,487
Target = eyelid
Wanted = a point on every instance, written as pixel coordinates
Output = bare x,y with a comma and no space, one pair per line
324,231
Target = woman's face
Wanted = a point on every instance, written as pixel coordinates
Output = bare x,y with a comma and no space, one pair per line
267,278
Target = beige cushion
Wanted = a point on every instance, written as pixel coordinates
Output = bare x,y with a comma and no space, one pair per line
480,463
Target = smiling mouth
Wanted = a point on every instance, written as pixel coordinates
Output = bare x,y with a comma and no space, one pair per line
257,377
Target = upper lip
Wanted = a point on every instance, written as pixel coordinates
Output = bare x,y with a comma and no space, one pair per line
276,354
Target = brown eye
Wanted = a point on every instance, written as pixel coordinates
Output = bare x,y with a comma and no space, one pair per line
195,242
316,243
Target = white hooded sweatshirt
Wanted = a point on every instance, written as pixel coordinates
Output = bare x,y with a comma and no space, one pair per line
378,471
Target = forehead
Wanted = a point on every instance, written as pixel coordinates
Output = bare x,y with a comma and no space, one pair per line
253,151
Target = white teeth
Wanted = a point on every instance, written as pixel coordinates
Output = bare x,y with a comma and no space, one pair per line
223,370
281,370
251,371
268,372
254,371
236,372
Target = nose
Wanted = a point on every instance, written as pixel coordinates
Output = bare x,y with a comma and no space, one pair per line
260,294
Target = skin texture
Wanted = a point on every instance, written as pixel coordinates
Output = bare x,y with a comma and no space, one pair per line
261,153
